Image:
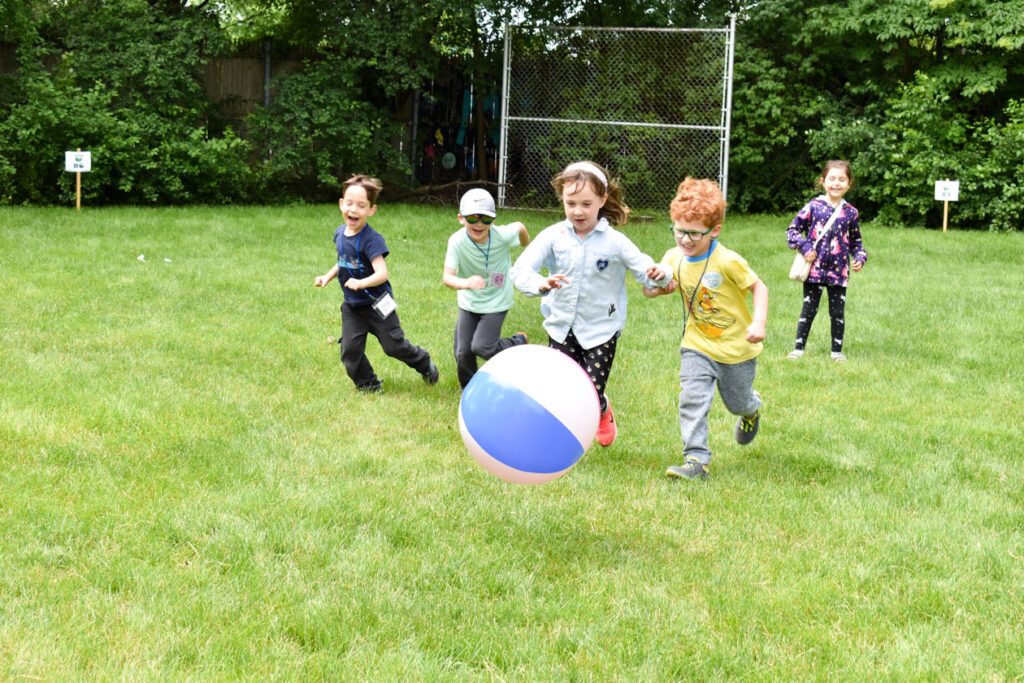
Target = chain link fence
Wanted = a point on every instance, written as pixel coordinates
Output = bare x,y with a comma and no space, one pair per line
651,105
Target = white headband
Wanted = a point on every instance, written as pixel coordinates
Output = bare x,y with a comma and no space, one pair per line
589,168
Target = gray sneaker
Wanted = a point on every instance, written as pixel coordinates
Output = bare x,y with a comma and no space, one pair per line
838,357
690,470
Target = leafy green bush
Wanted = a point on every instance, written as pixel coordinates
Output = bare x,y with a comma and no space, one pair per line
900,147
317,131
123,81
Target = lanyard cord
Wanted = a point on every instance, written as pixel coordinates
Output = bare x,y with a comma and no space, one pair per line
487,254
359,261
688,311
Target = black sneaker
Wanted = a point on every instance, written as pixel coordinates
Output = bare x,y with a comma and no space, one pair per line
746,427
371,388
691,470
431,376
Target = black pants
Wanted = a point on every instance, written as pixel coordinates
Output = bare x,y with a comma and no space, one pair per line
356,323
597,361
836,311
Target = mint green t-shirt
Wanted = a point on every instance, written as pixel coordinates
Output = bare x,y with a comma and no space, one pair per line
491,261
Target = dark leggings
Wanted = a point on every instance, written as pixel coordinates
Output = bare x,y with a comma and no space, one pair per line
836,310
597,361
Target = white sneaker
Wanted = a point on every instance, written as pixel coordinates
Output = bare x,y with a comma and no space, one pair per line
838,357
795,354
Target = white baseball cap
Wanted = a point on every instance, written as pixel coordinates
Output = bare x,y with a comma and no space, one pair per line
477,202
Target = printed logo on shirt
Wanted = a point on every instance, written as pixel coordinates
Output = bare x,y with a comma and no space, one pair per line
712,280
345,262
602,263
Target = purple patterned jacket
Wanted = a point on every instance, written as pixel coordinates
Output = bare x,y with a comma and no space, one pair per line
832,265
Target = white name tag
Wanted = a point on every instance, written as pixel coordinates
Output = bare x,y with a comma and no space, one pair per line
385,306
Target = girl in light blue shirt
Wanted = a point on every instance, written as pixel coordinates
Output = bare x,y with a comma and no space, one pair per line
584,293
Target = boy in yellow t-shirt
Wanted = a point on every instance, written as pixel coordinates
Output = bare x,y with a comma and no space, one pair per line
721,337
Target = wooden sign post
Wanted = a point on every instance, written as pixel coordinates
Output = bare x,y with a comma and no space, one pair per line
946,191
78,162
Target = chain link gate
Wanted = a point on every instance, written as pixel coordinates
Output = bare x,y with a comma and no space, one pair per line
651,105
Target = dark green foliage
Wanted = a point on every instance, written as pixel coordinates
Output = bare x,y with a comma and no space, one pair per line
317,131
910,92
121,80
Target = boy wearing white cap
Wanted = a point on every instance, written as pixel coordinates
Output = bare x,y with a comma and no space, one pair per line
476,265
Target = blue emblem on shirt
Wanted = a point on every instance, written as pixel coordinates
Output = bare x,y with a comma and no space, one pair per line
602,263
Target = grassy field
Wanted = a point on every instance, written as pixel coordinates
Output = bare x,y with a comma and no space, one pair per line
191,488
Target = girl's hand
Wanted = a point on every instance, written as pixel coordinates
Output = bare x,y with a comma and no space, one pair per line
475,282
810,256
556,281
755,332
857,265
655,272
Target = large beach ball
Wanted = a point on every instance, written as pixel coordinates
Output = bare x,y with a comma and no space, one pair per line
528,414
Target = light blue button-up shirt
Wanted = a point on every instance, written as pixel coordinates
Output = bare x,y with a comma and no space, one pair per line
593,304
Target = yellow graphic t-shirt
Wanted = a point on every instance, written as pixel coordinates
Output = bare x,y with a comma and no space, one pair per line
718,321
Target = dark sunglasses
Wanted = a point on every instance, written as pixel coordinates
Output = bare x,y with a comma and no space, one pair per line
486,220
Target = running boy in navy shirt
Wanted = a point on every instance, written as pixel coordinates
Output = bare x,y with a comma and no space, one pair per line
369,305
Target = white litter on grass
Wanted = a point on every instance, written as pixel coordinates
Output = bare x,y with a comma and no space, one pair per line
142,257
167,260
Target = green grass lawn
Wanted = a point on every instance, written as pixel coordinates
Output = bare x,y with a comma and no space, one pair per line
191,487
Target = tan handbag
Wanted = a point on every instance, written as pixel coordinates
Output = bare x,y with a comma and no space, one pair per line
801,267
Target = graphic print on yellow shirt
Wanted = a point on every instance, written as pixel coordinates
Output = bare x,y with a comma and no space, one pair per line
707,316
717,324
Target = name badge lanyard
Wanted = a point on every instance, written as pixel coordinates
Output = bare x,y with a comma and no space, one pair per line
486,254
359,238
688,310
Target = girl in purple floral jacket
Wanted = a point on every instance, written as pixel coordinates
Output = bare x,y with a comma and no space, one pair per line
831,259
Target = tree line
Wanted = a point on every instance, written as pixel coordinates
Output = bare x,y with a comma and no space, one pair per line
910,91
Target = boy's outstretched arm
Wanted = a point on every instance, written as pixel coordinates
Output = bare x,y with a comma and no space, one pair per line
322,280
524,236
756,329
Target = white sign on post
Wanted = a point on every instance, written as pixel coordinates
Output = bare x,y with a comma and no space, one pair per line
77,162
947,190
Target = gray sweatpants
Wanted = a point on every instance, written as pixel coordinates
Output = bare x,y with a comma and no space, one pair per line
478,334
698,375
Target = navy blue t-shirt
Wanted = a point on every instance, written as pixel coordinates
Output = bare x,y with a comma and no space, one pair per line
355,260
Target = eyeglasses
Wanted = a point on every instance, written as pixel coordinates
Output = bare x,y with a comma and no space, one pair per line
694,235
486,220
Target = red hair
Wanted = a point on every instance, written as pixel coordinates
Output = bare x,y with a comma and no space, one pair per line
698,200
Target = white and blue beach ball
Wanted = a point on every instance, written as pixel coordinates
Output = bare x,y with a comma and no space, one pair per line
528,414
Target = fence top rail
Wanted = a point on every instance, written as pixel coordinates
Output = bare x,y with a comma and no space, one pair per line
634,124
619,29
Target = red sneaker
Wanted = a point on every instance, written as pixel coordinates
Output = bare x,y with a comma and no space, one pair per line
606,430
